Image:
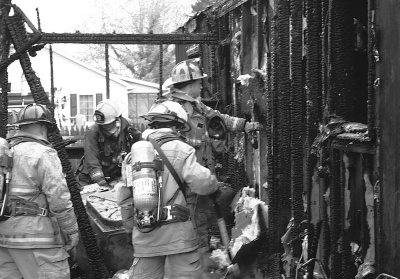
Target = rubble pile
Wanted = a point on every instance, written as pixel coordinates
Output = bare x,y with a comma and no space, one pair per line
107,209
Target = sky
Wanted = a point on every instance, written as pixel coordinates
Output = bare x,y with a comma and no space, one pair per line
62,16
55,15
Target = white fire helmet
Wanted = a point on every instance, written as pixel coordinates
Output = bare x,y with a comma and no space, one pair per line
167,83
166,90
187,70
168,111
107,112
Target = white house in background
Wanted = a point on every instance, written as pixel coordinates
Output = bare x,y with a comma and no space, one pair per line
79,87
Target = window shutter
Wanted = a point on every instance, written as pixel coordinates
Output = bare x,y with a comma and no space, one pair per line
99,98
73,103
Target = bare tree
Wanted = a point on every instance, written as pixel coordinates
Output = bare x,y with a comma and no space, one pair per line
135,17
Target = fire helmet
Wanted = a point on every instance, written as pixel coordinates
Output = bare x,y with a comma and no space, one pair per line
187,70
107,112
166,90
34,113
166,112
167,83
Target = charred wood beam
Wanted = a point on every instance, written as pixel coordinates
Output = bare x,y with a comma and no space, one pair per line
335,199
313,85
283,117
4,53
325,230
229,6
140,39
353,146
296,120
341,97
373,57
273,142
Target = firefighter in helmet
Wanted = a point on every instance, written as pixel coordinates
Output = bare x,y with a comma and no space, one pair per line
106,143
174,234
208,126
185,87
39,225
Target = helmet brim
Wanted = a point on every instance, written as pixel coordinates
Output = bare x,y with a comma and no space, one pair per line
167,117
183,81
27,122
108,122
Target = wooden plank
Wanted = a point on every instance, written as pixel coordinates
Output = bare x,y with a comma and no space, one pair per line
246,39
353,146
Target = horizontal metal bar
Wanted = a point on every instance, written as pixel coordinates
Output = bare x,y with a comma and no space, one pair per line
140,39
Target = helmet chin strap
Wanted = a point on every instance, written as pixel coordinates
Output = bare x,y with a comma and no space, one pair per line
116,134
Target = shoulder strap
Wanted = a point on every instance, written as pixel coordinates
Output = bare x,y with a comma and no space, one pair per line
169,166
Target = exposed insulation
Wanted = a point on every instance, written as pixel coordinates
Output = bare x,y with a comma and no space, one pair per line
369,202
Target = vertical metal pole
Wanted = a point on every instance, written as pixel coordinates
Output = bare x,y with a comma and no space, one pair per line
161,68
51,80
107,72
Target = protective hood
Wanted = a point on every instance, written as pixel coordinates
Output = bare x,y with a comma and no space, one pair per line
179,94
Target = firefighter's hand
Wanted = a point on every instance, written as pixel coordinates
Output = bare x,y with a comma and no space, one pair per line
72,241
125,162
252,126
103,183
217,194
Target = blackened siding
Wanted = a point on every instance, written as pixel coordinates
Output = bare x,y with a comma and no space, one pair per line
388,70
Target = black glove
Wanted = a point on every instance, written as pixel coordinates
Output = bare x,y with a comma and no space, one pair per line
72,241
128,238
217,194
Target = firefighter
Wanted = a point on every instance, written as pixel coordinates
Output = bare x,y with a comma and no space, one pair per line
185,87
106,143
39,225
175,236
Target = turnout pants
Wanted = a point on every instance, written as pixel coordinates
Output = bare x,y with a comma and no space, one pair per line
178,266
39,263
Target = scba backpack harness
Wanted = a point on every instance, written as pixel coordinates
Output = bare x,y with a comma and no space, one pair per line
144,175
11,207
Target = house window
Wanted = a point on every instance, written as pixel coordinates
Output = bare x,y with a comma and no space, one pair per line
139,104
86,106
